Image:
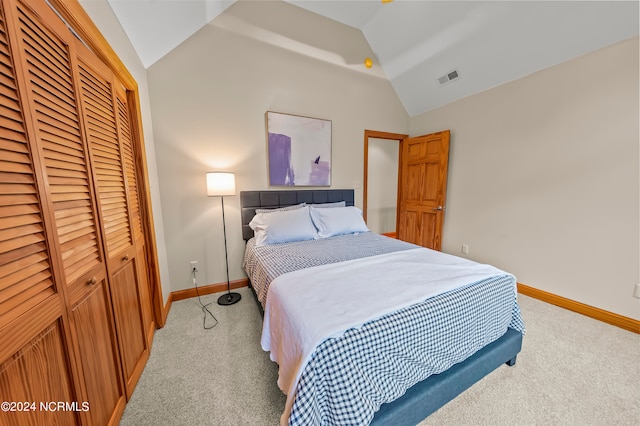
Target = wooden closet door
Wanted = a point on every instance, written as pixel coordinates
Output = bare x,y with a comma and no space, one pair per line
47,59
129,162
101,116
34,363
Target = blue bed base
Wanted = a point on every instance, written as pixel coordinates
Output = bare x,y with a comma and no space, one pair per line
435,391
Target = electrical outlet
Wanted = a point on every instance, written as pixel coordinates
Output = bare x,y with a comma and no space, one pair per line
636,291
465,249
193,265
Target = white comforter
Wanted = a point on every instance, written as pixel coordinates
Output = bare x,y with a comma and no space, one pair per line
308,306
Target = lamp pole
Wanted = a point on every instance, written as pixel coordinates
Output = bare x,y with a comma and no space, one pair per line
229,298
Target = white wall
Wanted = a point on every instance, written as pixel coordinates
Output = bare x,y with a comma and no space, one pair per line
544,177
209,100
101,14
382,186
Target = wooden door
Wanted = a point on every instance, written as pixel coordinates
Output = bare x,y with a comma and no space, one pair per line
101,116
93,314
72,358
34,361
423,188
132,177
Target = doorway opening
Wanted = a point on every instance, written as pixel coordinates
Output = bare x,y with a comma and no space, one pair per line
380,181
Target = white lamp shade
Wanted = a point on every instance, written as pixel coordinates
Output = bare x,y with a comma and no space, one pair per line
220,184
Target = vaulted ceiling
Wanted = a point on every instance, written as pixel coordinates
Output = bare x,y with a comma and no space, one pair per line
416,42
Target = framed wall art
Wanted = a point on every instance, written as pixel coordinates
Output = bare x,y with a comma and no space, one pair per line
298,150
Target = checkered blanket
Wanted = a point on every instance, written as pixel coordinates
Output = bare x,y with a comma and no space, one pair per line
347,378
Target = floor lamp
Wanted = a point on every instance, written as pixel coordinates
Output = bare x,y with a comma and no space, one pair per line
220,184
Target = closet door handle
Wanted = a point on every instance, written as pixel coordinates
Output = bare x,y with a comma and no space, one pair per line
92,281
125,257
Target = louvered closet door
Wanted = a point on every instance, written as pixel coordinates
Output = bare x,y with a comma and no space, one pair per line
125,133
101,117
27,284
34,360
47,57
104,374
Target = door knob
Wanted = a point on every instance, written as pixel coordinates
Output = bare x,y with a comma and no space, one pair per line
92,281
438,208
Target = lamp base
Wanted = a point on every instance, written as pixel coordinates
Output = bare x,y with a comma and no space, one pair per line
229,299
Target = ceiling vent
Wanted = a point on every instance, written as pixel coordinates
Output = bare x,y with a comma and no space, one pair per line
448,78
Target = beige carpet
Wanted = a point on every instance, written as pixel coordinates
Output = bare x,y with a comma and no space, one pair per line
572,371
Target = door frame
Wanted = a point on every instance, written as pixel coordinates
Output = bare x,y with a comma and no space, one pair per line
397,137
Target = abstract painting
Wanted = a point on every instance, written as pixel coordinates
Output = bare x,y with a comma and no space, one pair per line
298,150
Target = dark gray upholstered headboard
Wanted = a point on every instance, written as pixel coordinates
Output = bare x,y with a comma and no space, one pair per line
252,200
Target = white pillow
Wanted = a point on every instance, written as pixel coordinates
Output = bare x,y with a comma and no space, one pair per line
338,221
283,226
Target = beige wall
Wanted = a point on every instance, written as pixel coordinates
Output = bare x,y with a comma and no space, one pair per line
101,14
543,177
382,185
209,97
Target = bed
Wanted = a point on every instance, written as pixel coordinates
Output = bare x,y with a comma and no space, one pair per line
411,353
